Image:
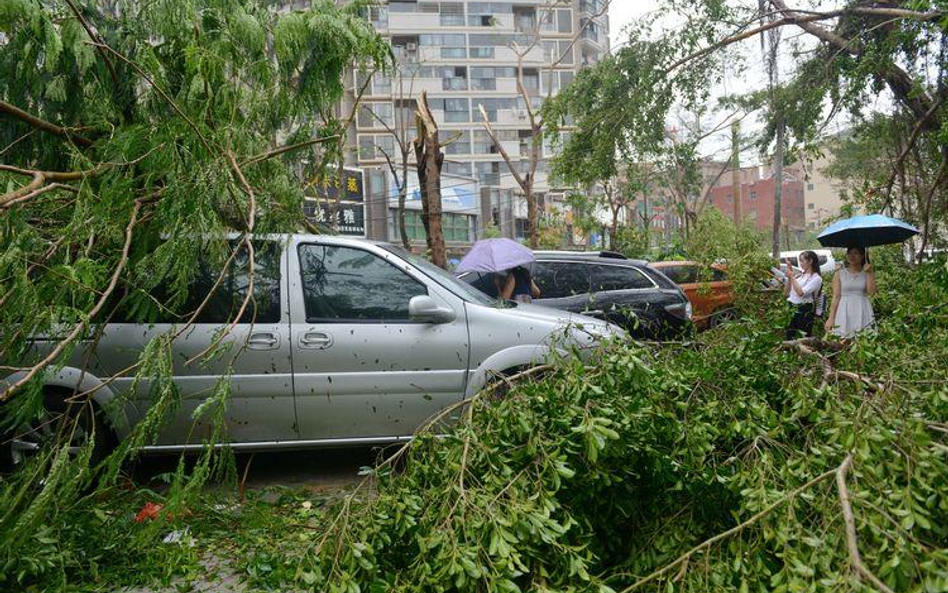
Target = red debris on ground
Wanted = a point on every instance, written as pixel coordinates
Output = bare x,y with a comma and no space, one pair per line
149,511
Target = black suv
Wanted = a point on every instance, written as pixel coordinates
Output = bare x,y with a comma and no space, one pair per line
606,285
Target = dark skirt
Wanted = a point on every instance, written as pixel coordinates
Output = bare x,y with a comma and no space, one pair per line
801,324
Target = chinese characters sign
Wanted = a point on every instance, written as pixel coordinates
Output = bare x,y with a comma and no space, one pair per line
350,208
350,217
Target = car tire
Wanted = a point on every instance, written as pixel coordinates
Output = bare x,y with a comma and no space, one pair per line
720,317
19,444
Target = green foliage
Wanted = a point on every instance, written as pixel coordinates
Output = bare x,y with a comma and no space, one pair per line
168,116
595,476
716,239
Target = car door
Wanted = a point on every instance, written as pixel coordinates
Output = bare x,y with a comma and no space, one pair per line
363,369
254,354
626,297
563,285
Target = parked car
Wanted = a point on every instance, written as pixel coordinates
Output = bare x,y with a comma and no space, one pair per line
825,256
627,292
707,287
352,342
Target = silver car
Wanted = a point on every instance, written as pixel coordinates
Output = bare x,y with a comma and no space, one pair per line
350,342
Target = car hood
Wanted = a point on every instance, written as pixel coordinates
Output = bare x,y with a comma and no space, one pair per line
562,319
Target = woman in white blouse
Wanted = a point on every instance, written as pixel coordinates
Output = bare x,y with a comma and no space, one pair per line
802,292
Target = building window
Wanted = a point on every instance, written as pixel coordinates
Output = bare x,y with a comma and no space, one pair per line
371,146
452,15
378,16
564,21
453,53
488,173
455,110
482,53
376,115
809,187
455,168
522,228
481,14
456,227
462,145
454,78
525,19
752,196
810,206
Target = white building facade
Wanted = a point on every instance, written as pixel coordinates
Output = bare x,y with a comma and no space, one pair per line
466,56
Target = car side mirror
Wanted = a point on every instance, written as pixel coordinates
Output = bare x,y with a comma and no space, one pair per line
423,308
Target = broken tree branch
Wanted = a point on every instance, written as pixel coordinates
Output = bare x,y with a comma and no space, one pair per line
41,124
849,520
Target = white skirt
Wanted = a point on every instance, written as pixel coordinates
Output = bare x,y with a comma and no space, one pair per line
853,315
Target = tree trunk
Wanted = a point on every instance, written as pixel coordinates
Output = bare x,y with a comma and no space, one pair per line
778,186
429,158
402,197
532,211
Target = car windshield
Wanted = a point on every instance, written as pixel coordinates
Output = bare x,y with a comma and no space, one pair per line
443,277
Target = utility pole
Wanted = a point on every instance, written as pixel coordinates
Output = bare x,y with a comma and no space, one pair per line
778,184
736,169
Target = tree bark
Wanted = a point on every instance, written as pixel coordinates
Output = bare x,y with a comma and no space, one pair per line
402,197
429,158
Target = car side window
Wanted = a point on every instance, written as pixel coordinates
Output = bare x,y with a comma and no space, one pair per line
343,284
606,278
138,306
561,279
718,275
677,274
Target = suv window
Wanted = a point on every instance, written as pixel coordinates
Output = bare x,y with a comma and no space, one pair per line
347,284
606,278
561,279
680,274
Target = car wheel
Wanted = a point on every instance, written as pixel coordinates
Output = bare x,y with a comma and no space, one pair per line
60,420
722,317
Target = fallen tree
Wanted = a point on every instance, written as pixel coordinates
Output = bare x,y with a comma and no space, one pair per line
745,463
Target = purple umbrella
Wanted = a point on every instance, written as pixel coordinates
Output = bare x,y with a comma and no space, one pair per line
495,255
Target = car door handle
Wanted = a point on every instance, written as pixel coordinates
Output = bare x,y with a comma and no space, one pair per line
263,340
315,340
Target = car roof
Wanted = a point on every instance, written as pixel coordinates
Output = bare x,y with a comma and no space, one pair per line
605,257
670,262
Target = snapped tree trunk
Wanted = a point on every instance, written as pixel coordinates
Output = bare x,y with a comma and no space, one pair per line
429,158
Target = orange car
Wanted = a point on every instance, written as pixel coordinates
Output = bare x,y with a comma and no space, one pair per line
711,295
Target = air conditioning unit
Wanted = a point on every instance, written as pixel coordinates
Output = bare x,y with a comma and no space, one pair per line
411,46
521,114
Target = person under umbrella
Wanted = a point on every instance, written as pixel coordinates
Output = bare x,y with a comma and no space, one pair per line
518,285
851,310
506,261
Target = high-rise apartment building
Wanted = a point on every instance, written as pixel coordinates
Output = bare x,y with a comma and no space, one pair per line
466,56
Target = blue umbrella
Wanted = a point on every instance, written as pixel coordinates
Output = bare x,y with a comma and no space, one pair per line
866,231
495,255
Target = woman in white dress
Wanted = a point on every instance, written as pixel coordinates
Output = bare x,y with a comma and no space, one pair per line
853,284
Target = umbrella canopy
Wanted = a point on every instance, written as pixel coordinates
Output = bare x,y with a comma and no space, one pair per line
495,255
866,231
